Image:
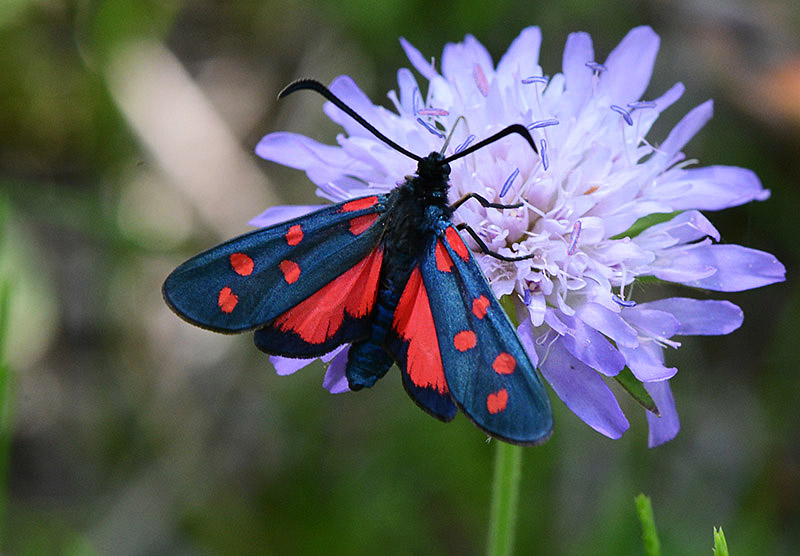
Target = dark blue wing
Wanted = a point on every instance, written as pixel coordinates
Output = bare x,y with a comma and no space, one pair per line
262,278
488,373
412,340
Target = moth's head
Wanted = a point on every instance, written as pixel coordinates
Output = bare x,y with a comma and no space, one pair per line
433,167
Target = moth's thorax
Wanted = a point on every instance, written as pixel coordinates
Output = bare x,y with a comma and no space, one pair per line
431,181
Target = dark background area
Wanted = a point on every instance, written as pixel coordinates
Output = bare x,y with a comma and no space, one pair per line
126,145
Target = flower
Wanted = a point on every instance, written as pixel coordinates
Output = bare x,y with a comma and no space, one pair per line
604,209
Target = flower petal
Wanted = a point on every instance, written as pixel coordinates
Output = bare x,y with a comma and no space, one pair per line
737,268
282,213
459,63
630,66
590,347
647,363
521,60
656,324
664,428
689,125
706,317
335,380
583,391
577,52
525,333
609,323
418,60
713,188
289,365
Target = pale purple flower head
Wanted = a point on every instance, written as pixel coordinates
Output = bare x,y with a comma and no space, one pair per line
604,208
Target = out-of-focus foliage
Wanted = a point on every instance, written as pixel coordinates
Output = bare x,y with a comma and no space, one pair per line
126,146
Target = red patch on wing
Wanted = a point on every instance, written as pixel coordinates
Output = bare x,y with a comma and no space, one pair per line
242,264
443,261
497,401
480,306
504,364
294,235
227,300
361,223
456,243
464,340
291,271
320,316
413,322
359,204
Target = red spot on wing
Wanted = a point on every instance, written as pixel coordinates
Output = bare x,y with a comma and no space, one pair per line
294,235
227,300
457,244
480,306
464,340
497,401
242,264
360,224
320,316
359,204
443,261
504,364
413,322
291,271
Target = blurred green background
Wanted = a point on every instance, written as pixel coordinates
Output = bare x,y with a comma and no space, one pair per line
126,138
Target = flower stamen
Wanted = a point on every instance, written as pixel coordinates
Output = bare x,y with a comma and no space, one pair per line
508,182
542,123
545,158
480,80
465,144
430,128
622,112
433,112
574,236
641,104
535,79
596,67
623,302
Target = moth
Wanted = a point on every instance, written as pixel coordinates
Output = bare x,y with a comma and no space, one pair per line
389,274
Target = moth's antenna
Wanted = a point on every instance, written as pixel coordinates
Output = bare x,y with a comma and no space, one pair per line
513,128
324,91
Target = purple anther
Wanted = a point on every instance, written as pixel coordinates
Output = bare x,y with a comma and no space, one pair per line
509,181
545,159
596,66
574,236
430,128
622,112
535,79
480,80
433,112
526,297
622,302
641,104
542,123
465,144
415,96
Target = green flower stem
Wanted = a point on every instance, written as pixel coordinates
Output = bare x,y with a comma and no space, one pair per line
644,508
505,498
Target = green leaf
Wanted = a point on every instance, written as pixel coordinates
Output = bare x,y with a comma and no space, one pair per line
720,545
652,547
645,222
635,388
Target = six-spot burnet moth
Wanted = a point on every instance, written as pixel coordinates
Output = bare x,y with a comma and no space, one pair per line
390,275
